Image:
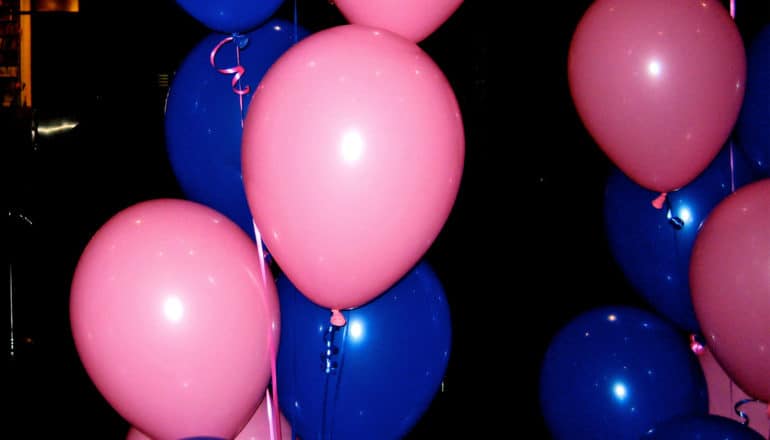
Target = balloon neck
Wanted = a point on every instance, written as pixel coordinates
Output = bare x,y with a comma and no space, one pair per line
659,201
337,319
241,40
696,346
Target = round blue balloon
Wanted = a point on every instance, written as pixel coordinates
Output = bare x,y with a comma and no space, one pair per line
203,117
615,372
231,16
753,126
202,438
701,427
375,376
653,246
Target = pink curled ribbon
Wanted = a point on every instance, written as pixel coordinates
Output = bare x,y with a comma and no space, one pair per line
237,71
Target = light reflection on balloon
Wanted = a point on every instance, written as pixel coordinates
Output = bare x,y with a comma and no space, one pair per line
377,374
597,379
620,391
173,309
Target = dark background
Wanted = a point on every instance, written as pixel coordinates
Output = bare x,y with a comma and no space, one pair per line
522,253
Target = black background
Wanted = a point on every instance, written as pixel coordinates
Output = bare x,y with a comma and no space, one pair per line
522,253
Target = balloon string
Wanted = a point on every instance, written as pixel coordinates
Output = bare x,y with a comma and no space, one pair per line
658,202
275,428
270,419
237,71
296,26
261,252
732,168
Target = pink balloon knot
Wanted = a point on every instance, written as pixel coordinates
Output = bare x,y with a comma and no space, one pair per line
696,346
658,202
337,318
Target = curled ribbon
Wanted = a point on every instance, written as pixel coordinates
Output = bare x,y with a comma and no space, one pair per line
237,71
740,413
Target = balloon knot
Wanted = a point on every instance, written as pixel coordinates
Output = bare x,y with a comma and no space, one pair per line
696,346
337,319
241,40
658,202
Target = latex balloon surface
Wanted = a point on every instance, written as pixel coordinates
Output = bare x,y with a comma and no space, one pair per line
372,378
653,246
203,117
730,282
229,16
615,372
353,151
753,127
414,20
658,84
173,320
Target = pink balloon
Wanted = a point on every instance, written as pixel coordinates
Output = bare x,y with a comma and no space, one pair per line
414,20
658,84
724,394
353,150
730,286
258,427
135,434
172,319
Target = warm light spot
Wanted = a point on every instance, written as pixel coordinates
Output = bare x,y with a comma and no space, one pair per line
352,146
173,309
654,68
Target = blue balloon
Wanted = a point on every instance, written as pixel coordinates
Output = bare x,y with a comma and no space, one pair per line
701,427
202,438
653,246
375,376
615,372
231,16
753,126
203,117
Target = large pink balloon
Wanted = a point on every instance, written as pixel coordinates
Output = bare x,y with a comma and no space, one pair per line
724,394
353,151
258,427
172,319
658,84
730,286
412,19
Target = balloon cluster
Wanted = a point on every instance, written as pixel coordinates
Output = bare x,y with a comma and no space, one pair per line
340,153
668,92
